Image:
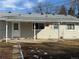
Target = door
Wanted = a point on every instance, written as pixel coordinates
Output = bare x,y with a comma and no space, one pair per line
16,29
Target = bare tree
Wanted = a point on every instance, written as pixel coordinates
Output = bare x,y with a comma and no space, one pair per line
43,8
38,8
62,10
74,4
77,3
71,12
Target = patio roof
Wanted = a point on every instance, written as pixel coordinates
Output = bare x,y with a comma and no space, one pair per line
20,17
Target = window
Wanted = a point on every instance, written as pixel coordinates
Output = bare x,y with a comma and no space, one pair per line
39,26
56,26
70,26
15,26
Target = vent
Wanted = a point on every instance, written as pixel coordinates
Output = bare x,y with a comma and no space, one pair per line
9,12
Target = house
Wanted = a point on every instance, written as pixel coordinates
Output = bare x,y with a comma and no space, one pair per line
37,26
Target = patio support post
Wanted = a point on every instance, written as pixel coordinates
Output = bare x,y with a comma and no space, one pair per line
59,31
34,31
6,31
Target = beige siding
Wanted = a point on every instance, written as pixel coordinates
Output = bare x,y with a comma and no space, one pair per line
70,34
2,29
47,33
50,33
26,30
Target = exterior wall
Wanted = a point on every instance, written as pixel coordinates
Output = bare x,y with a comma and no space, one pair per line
69,34
50,33
2,30
26,30
47,33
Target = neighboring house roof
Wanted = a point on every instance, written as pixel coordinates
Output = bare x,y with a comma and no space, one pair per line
36,17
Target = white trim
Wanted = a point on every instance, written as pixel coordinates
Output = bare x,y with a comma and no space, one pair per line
59,31
34,31
6,31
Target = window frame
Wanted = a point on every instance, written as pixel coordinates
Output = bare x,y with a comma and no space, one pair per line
70,26
16,26
56,26
38,26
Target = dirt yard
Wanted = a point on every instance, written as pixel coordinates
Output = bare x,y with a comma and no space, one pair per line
68,49
48,50
5,51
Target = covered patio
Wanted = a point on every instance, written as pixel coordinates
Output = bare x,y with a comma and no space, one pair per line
16,25
21,27
21,30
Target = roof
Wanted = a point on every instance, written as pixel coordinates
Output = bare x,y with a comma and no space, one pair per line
21,17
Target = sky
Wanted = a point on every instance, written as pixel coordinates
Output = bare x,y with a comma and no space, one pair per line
27,5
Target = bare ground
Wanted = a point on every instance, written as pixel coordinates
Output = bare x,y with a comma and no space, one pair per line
68,49
5,51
